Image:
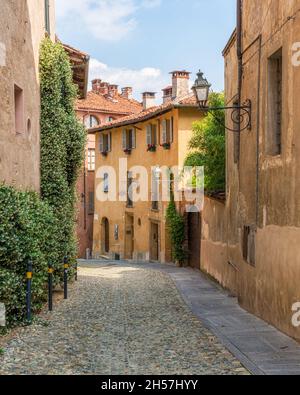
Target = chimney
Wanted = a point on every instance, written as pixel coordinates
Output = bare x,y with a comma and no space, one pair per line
103,88
167,94
180,84
113,90
127,92
96,84
148,100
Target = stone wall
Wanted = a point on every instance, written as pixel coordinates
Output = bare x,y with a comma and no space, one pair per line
22,27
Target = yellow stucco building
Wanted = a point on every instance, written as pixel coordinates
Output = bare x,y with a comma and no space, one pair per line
157,136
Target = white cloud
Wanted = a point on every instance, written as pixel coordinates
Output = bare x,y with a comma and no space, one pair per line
145,79
107,20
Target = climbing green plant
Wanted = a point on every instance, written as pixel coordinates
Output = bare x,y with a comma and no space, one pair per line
176,228
208,146
62,144
42,228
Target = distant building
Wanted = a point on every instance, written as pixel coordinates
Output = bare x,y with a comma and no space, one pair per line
103,104
23,25
156,136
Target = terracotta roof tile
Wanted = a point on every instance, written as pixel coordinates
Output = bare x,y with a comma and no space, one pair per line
189,101
117,105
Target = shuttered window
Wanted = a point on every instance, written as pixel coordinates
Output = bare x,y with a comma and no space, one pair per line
105,142
129,139
167,131
151,134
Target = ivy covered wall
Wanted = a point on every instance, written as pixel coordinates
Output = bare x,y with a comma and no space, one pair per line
42,228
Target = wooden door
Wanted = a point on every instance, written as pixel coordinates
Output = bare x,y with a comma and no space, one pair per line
129,237
154,242
194,239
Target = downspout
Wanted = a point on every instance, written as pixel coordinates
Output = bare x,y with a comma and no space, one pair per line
239,87
257,131
239,52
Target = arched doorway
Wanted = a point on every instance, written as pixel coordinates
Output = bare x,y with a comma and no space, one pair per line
105,236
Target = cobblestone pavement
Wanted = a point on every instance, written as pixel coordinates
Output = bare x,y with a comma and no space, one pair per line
119,320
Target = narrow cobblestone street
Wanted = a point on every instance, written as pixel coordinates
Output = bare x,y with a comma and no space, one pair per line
119,319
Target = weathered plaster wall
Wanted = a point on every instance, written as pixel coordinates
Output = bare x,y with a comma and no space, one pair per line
22,28
264,193
116,211
214,249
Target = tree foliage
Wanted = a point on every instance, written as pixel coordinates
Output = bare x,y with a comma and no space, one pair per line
208,146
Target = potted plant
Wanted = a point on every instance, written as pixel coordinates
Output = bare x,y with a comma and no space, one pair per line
151,148
166,146
127,151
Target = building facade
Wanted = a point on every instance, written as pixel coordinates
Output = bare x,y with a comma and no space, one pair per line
102,104
251,243
157,137
23,25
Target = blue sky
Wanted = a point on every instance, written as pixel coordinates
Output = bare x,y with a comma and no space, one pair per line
138,42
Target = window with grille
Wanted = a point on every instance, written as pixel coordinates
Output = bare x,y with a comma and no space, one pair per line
19,110
106,183
155,190
91,160
129,190
274,131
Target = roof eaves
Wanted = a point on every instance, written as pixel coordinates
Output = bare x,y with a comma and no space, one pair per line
140,118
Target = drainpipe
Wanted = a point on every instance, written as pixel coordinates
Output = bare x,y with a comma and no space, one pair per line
239,52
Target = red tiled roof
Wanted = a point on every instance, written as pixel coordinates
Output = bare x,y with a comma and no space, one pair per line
116,105
144,115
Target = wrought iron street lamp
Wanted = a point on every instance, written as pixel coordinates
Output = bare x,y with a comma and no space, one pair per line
240,114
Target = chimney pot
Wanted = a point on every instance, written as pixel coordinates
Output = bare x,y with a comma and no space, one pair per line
96,84
167,94
112,90
149,100
127,92
180,83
